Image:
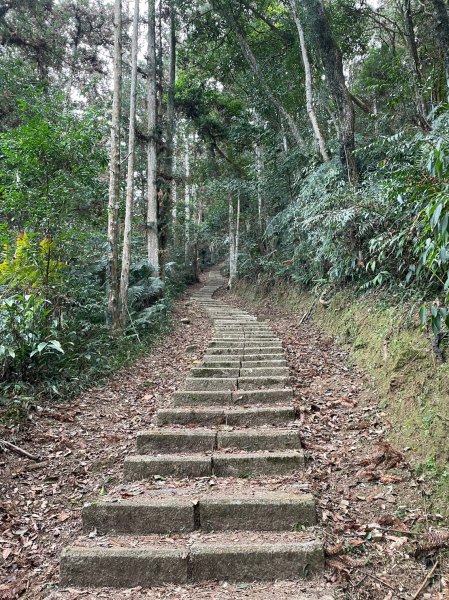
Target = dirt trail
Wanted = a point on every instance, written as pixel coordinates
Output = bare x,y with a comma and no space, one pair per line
371,504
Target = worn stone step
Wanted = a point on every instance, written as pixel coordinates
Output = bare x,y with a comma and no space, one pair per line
225,343
262,512
152,565
260,355
193,384
140,516
166,465
270,396
219,363
257,364
254,440
257,349
226,372
222,358
204,398
257,464
257,383
161,515
145,566
170,441
235,417
224,351
264,372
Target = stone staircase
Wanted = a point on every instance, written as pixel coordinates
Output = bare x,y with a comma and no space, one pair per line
234,422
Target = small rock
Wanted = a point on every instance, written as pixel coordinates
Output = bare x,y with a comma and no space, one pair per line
185,320
191,348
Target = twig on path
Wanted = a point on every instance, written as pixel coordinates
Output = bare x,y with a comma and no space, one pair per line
17,450
426,581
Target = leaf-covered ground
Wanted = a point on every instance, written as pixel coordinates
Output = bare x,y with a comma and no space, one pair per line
380,539
82,445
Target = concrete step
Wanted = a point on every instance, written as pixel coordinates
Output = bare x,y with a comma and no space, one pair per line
254,440
158,514
257,383
221,363
243,464
215,372
268,396
257,364
234,417
236,350
202,398
140,466
194,384
251,355
218,559
258,464
172,441
231,398
257,349
264,372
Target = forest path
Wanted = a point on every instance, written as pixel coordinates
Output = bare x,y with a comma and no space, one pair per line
233,422
369,500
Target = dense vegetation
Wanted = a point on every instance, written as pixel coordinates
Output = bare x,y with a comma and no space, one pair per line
308,140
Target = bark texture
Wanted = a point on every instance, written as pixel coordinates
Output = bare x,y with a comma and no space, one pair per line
331,58
151,219
442,30
310,105
114,174
126,252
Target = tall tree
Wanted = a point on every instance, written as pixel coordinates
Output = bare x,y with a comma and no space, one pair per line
442,31
310,105
114,174
152,216
331,57
165,209
126,253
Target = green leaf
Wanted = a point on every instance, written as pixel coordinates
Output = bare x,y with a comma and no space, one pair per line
423,315
56,345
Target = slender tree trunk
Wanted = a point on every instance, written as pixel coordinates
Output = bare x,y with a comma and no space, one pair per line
248,54
308,85
442,31
114,173
421,108
152,225
166,196
231,243
187,201
259,171
331,58
126,253
198,218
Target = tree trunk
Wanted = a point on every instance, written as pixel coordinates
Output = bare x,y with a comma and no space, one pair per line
187,202
331,58
165,209
416,64
442,31
152,226
126,253
231,243
198,218
308,85
114,173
